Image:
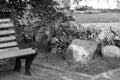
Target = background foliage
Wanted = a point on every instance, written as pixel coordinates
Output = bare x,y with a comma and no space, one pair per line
31,16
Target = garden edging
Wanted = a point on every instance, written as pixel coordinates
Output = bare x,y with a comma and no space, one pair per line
106,74
56,68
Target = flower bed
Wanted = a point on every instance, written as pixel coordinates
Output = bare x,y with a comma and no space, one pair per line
95,66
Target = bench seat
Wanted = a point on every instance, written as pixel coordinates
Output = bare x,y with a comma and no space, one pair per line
8,42
16,53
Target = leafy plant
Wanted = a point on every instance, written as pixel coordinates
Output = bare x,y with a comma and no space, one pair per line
31,17
26,23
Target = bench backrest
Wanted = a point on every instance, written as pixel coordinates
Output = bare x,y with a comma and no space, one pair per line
7,35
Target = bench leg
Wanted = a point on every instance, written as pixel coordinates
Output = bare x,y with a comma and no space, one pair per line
28,63
29,59
17,64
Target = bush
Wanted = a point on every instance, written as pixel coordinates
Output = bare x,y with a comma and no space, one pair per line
84,8
31,17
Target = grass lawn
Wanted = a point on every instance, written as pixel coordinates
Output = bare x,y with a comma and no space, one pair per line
95,18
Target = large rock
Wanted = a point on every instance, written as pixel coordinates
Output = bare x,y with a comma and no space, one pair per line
80,51
110,51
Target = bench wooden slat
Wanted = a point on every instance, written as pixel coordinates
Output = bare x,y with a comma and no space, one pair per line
9,44
16,53
6,32
9,49
4,20
6,25
8,38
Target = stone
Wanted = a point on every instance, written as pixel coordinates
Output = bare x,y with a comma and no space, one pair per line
117,41
80,51
110,51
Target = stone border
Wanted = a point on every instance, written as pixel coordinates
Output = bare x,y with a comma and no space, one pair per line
56,68
108,74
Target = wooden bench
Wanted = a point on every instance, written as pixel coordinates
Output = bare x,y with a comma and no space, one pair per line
8,44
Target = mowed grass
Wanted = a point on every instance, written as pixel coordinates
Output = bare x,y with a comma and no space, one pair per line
98,17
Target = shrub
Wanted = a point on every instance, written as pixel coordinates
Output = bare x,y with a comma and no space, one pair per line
84,8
